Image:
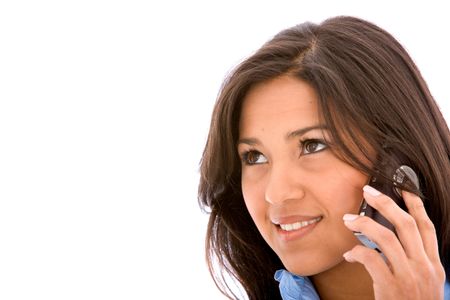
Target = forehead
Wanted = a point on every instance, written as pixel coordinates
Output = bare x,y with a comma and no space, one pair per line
284,101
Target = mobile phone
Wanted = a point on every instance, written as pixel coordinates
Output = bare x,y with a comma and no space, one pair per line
403,175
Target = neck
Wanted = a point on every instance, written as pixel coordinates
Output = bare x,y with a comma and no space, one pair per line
344,281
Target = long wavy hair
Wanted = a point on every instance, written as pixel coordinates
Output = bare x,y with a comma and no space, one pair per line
368,88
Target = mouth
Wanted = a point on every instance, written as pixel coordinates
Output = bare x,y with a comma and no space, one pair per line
298,225
289,230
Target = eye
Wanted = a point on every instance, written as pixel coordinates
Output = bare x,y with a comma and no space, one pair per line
312,146
253,157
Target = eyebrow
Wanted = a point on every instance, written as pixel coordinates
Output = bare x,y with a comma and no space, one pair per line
302,131
289,135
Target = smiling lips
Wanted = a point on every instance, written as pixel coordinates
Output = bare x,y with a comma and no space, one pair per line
295,227
298,225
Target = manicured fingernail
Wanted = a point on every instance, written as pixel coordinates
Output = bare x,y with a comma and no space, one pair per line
350,217
348,256
371,191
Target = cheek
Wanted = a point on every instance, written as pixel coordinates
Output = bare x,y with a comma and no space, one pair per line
254,200
345,195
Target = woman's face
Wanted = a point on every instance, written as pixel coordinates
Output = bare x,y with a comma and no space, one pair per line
294,187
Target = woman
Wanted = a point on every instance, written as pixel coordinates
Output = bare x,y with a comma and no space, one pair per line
301,132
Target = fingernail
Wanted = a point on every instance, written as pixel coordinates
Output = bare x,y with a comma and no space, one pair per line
371,191
350,217
348,256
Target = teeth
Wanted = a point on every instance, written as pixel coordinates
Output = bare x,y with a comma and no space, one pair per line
298,225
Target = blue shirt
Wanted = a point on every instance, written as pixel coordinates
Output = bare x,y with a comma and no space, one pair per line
293,287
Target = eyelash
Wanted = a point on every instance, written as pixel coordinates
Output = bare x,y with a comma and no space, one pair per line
246,155
303,144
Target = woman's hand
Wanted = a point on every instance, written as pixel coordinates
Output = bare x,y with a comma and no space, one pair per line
413,269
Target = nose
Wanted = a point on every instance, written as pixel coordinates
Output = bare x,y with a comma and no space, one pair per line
284,183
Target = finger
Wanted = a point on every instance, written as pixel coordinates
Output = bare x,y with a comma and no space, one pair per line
383,237
372,261
404,224
426,228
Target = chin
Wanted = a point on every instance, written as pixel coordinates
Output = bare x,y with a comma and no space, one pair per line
311,266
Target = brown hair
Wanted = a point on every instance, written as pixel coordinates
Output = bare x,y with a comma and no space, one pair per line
368,87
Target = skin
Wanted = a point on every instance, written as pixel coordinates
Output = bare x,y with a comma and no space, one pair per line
289,174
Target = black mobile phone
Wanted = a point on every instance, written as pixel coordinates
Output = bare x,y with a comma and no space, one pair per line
402,175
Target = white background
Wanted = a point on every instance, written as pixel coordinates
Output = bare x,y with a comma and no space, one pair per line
104,112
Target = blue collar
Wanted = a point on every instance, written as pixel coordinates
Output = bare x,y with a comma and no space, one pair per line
293,287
